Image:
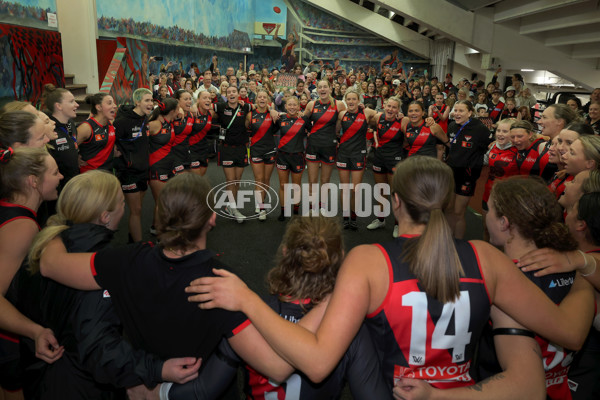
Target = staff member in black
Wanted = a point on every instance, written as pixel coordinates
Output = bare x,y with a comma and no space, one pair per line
468,142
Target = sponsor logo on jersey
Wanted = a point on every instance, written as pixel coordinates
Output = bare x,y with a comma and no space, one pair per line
560,282
99,137
105,294
468,138
60,141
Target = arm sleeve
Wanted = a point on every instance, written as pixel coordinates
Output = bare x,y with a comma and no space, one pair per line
104,352
215,377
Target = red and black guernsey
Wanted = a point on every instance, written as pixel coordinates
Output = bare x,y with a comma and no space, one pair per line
419,337
181,144
324,117
161,158
506,113
438,112
201,127
390,136
532,161
353,142
502,163
262,132
420,140
496,110
97,151
292,133
557,185
10,212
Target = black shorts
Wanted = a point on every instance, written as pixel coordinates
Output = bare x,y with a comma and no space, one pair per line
321,154
233,156
385,163
10,366
291,162
465,180
132,183
356,163
261,156
159,175
199,158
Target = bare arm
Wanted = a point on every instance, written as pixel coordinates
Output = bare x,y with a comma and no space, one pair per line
437,130
314,354
566,325
84,131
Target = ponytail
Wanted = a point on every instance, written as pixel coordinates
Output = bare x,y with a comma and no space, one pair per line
425,186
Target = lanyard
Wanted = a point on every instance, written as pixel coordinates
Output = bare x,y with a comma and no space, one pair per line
459,132
68,132
234,115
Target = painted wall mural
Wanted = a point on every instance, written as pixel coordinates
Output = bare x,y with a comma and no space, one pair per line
33,13
29,59
201,23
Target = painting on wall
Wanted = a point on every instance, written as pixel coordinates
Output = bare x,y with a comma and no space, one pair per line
214,24
270,17
29,59
32,13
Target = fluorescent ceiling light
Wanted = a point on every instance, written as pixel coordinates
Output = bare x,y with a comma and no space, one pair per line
527,70
392,14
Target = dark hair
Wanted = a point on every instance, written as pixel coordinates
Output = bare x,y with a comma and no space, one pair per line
576,100
533,210
418,103
580,127
184,208
52,95
24,162
163,108
426,186
308,259
15,127
95,100
564,112
177,95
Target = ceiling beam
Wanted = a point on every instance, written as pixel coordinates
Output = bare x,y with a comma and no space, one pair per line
588,50
575,35
512,9
577,15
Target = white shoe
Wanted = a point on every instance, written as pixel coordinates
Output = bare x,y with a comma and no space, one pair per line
262,215
235,213
376,224
395,232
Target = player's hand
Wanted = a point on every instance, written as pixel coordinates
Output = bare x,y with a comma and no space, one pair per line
429,121
549,261
224,291
412,389
181,370
46,346
141,392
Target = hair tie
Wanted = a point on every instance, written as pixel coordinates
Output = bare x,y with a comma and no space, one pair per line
69,222
161,105
6,155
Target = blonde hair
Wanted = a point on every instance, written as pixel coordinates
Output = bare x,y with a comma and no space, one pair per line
308,259
83,200
425,185
591,148
15,105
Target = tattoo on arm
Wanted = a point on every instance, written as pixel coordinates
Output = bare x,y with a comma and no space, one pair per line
478,387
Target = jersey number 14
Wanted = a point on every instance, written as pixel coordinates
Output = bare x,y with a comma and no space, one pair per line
460,309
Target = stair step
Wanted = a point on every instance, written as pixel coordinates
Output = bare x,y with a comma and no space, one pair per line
77,88
69,78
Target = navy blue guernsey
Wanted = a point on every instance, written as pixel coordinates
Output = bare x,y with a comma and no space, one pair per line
292,134
262,132
324,118
354,134
419,337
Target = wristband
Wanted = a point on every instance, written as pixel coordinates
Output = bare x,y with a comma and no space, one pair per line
164,390
593,269
513,331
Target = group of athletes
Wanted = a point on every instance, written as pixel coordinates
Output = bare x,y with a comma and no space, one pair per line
406,327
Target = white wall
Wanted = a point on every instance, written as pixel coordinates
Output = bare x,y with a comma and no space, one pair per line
77,24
